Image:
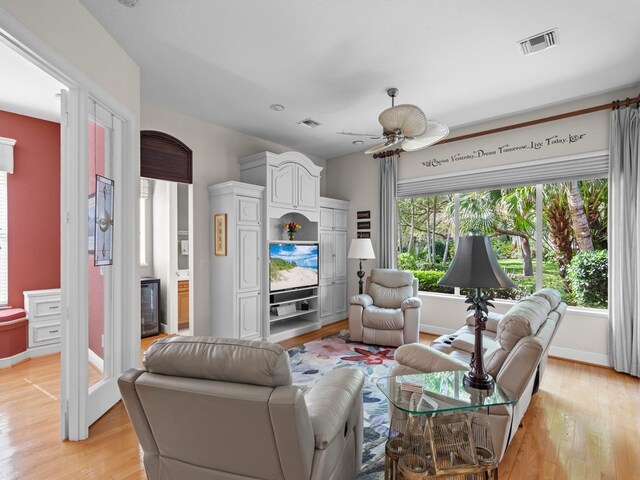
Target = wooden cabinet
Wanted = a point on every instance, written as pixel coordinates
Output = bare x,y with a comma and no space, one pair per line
43,308
183,303
237,277
333,259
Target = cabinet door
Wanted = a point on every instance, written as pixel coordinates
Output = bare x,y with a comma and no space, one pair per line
308,190
326,299
326,218
183,302
248,210
248,258
340,219
249,318
340,296
340,254
282,183
327,256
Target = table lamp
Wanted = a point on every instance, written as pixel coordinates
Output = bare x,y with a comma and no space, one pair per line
362,249
476,266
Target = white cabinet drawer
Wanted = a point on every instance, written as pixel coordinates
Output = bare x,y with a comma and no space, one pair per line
43,308
44,333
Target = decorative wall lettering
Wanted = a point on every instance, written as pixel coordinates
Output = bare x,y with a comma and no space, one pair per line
363,234
546,143
364,225
362,214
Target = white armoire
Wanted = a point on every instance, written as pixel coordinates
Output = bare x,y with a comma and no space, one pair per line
281,188
236,276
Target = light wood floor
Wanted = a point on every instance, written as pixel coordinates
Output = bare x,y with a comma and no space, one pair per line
583,424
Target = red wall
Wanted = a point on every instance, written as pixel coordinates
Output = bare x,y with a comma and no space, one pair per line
34,205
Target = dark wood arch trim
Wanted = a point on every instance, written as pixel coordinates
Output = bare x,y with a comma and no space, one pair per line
164,157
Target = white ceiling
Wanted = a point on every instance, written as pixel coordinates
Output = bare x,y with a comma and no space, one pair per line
226,61
26,89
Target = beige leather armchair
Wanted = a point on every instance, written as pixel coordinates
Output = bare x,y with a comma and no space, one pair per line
516,347
389,312
221,409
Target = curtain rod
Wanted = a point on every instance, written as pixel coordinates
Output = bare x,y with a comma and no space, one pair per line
605,106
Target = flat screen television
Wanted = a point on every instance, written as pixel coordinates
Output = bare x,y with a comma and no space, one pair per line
292,265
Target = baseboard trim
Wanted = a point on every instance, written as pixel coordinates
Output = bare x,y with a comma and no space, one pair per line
580,356
29,353
96,361
430,329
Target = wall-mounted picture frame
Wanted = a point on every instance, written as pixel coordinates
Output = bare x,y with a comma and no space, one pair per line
91,224
220,234
364,225
363,234
364,214
103,223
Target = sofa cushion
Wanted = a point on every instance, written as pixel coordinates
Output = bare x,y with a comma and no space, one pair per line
383,318
387,297
392,278
223,359
550,295
522,320
493,319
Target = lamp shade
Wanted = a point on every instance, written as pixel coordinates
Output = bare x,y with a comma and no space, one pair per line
361,248
475,266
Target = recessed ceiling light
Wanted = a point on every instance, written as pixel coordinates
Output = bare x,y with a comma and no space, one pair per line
276,107
128,3
357,142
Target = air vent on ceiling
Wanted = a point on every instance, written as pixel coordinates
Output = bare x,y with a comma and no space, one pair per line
307,122
539,42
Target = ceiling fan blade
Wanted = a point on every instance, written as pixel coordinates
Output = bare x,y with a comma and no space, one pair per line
436,131
391,141
372,136
376,148
408,118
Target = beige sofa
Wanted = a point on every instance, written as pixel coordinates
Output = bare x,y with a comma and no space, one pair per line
207,408
516,347
388,313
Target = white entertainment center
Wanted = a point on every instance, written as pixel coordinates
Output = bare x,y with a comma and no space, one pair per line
247,301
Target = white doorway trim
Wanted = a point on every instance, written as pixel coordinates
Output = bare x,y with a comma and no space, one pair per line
126,304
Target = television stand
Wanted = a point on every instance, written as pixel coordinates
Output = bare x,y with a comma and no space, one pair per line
300,319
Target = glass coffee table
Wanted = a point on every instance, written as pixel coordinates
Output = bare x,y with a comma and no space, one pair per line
439,427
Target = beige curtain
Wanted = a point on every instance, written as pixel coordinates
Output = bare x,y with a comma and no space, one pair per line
387,242
624,240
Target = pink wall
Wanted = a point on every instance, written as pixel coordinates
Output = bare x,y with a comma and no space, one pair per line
96,281
34,205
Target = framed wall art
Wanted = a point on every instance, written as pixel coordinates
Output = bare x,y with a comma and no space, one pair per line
364,214
103,223
364,235
364,225
220,234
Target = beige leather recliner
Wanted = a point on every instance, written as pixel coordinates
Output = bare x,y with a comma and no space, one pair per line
208,408
388,313
516,347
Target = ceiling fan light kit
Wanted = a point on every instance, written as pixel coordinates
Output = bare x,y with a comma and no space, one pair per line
406,124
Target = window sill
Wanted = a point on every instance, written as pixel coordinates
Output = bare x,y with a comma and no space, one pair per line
591,312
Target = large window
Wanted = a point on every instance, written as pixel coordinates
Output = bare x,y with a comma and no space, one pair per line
551,235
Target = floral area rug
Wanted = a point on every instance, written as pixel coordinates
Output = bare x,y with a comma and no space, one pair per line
313,359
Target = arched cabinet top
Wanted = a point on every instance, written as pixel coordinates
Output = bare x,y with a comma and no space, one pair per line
275,159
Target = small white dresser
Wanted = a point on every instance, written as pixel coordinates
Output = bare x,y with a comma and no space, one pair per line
43,309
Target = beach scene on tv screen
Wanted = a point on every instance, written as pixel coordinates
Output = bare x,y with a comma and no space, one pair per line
293,266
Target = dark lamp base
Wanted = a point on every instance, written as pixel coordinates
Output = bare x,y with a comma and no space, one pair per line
485,382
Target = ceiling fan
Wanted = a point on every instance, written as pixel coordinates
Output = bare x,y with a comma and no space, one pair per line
405,124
